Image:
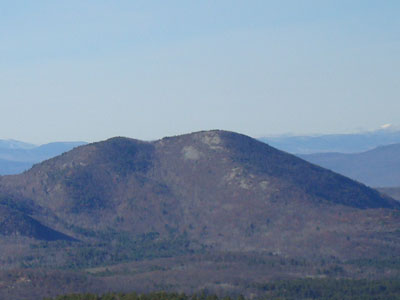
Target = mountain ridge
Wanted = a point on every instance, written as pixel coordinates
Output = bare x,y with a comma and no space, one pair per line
16,157
379,167
86,178
343,143
183,199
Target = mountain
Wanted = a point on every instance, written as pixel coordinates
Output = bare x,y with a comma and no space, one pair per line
212,209
13,144
379,167
8,167
16,157
344,143
393,192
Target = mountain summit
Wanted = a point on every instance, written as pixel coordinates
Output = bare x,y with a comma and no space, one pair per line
214,190
163,213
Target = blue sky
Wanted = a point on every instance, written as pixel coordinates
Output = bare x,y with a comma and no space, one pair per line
90,70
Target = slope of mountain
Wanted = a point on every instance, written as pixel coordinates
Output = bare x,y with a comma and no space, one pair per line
344,143
393,192
16,157
189,202
13,222
379,167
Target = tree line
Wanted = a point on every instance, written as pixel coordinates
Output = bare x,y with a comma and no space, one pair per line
295,289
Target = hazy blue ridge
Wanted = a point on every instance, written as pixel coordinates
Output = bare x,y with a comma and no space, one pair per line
13,144
345,143
379,167
16,157
13,167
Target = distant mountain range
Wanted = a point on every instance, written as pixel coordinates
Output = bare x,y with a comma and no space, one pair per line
379,167
16,156
13,144
216,210
393,192
344,143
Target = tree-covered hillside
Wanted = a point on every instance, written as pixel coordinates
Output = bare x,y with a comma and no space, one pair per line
302,289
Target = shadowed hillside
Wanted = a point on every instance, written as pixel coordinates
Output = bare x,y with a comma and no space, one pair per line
16,223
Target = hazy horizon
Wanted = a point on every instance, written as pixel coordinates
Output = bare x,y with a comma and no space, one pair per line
88,71
392,128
